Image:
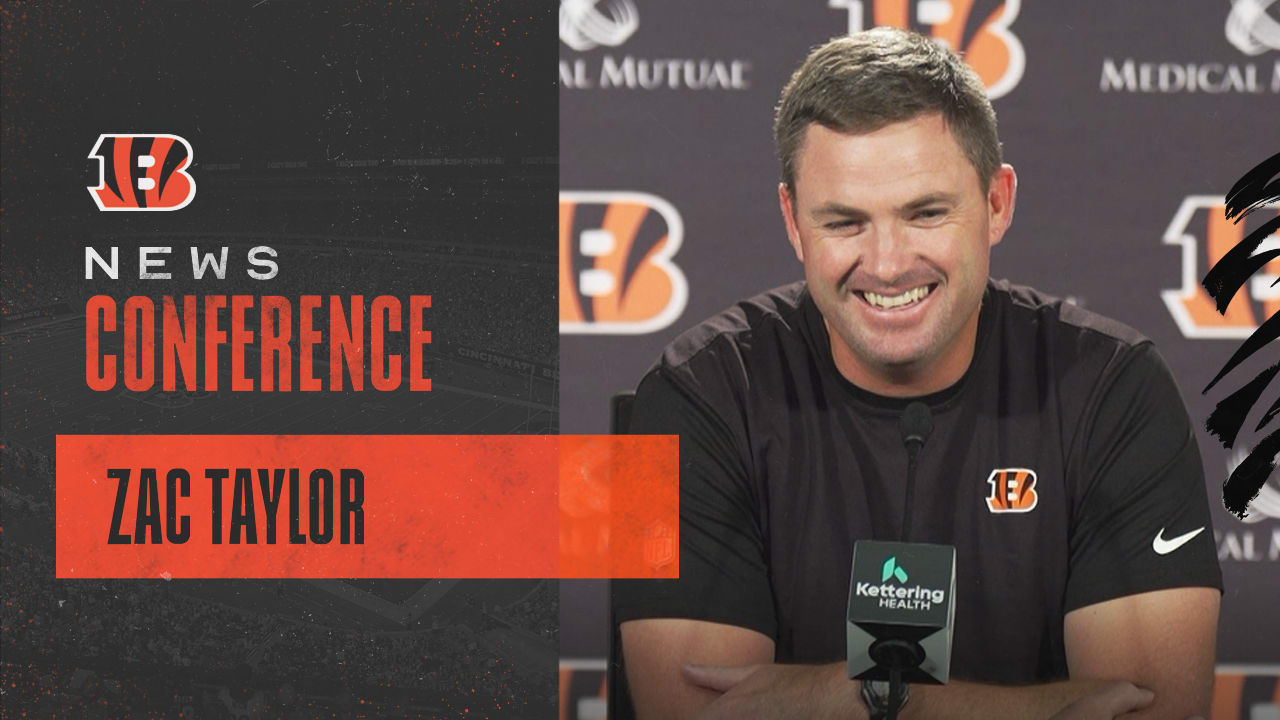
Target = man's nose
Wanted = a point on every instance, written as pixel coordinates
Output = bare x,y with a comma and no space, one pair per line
888,255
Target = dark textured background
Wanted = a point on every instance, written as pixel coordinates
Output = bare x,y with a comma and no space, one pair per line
463,91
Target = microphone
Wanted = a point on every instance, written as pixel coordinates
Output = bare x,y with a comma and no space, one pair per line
916,424
901,606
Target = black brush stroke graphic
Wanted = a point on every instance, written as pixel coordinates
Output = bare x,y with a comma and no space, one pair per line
1246,480
1265,333
1268,415
1235,268
1226,419
1258,188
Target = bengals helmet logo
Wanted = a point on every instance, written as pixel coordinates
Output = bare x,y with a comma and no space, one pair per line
616,274
142,172
1012,490
1201,229
978,30
659,544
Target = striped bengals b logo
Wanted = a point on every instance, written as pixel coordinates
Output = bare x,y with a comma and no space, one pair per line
616,274
142,172
1201,229
978,30
1012,490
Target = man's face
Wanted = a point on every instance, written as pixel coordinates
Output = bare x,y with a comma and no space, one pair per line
895,231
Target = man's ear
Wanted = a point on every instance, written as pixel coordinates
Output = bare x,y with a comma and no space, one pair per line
787,204
1001,198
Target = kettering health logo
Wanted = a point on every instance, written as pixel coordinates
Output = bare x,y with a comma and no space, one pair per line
1251,28
899,597
586,25
891,569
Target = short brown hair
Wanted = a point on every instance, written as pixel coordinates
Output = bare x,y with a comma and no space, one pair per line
862,82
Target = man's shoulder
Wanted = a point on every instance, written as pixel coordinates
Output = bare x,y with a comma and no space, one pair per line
1061,322
1053,342
758,324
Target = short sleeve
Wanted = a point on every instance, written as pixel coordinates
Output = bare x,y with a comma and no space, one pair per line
1141,520
723,574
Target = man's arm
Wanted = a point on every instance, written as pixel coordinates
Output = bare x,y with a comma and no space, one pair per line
681,669
722,597
1162,640
657,650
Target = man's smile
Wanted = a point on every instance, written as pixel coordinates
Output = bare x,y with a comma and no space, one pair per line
896,301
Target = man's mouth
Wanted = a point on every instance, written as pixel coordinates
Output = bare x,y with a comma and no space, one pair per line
895,302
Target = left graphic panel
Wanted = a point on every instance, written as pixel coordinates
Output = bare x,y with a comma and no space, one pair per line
275,218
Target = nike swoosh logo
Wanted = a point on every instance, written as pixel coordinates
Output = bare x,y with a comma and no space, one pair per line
1164,547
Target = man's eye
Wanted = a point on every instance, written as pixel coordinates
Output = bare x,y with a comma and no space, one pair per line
930,214
841,224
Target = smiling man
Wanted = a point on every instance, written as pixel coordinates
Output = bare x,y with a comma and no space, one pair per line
1091,593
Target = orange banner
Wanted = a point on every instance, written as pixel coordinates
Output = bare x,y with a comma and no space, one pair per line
367,506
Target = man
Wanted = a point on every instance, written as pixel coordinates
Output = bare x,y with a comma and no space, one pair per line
1094,595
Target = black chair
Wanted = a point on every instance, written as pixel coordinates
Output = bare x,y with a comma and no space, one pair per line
619,695
620,412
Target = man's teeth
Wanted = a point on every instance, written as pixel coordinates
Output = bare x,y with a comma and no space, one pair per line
892,301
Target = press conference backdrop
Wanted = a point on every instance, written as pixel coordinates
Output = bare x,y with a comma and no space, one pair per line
1126,122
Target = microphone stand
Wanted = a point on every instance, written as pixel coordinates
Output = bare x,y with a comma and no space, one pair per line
917,423
895,687
914,444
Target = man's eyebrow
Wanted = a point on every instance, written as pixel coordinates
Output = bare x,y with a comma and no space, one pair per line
934,198
835,209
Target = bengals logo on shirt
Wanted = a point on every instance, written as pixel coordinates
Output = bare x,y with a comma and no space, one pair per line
976,29
1012,490
616,274
142,172
1201,229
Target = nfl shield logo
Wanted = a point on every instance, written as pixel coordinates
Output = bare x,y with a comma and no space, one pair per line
659,544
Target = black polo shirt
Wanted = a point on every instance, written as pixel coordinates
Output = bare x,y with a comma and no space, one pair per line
1054,465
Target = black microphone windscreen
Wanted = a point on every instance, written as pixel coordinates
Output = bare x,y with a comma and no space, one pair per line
917,423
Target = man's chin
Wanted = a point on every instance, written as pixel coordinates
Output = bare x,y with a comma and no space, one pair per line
897,355
902,366
906,366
